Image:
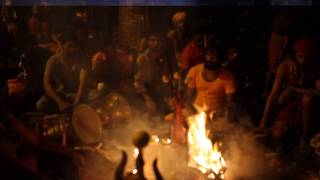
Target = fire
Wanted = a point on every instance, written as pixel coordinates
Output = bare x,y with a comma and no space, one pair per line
202,154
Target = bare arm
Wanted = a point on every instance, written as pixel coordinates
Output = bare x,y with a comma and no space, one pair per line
231,107
311,91
47,85
82,83
273,94
189,97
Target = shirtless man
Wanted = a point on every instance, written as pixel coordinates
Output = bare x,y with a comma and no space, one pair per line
64,80
300,77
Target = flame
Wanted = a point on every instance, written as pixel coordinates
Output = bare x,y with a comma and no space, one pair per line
202,154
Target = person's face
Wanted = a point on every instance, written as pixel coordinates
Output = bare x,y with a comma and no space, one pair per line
212,61
70,51
180,25
153,42
302,58
212,56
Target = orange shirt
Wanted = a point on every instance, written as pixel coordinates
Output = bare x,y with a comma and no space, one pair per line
210,95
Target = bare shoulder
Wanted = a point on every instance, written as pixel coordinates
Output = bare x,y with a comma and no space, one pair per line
54,59
196,68
171,34
286,64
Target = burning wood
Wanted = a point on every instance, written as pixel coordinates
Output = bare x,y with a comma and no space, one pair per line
202,154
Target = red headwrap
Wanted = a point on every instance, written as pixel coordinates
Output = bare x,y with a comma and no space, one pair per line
304,45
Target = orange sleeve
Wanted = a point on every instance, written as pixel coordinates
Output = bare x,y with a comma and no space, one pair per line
190,79
230,84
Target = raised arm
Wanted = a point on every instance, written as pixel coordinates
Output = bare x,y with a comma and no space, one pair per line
231,107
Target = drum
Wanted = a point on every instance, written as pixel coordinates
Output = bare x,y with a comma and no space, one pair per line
112,109
86,124
117,106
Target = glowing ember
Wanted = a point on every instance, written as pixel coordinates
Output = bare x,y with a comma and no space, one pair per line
135,152
155,139
134,171
135,155
166,141
202,154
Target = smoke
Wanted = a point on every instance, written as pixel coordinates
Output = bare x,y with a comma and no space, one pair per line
243,154
241,150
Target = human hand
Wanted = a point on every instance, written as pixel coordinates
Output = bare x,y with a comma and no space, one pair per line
165,79
99,56
177,76
63,105
284,96
293,69
261,129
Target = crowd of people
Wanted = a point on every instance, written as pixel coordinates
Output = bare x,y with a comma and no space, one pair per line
170,75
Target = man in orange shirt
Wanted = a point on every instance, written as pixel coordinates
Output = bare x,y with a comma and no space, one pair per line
212,86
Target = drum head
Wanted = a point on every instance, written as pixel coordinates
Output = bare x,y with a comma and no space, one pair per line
86,124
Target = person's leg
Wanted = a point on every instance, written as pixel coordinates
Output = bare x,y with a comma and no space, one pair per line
306,110
46,105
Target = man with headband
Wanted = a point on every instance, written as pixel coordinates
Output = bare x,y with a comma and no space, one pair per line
213,86
300,77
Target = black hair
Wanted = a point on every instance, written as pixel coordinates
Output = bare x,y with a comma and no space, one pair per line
218,47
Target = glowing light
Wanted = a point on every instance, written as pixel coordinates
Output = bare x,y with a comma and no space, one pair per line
166,141
155,139
135,152
202,154
134,171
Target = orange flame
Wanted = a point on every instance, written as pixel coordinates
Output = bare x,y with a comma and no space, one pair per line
202,154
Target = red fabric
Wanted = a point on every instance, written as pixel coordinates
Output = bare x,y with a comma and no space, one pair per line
191,56
304,45
277,47
124,63
33,25
16,87
179,126
289,117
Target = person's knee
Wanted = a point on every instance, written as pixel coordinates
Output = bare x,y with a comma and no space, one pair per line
277,134
40,105
278,130
46,105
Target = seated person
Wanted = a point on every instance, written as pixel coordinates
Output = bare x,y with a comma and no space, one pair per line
210,87
64,80
151,77
300,77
